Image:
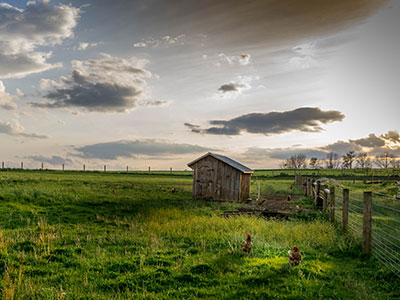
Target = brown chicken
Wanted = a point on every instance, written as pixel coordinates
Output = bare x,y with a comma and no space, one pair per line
173,190
247,244
299,208
289,198
295,257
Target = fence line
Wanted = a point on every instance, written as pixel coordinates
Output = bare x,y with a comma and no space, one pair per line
375,224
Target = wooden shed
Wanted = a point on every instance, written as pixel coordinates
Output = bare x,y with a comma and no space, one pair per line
217,177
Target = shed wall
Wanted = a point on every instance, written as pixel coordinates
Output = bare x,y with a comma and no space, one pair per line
215,180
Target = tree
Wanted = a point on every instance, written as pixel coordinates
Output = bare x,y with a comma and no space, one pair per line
314,162
395,162
348,159
332,161
383,160
363,161
295,162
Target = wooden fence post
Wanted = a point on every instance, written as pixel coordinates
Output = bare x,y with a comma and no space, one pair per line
127,169
332,204
317,192
170,171
149,170
22,165
345,211
367,223
63,167
42,166
325,199
2,164
105,168
84,168
314,191
309,187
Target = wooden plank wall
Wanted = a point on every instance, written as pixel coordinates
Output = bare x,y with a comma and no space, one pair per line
213,179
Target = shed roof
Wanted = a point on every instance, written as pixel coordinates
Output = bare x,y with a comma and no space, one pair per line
225,159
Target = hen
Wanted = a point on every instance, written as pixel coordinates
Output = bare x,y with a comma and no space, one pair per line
247,244
295,257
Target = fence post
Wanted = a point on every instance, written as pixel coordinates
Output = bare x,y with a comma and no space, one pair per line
170,171
325,199
42,166
367,223
105,168
318,190
63,167
84,168
22,165
2,164
304,187
309,187
332,204
345,210
127,169
149,170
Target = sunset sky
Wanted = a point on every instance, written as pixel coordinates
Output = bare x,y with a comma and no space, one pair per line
158,83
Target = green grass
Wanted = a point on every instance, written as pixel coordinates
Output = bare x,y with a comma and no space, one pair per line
92,235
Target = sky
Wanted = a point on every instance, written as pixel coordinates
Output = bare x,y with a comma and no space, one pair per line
158,83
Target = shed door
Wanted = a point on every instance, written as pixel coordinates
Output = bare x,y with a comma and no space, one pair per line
206,181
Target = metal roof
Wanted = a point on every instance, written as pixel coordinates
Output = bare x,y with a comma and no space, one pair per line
225,159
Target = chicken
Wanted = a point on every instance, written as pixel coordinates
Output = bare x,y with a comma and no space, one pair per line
299,208
295,257
260,201
247,244
290,187
173,190
289,198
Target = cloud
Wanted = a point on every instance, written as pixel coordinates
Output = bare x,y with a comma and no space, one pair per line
131,148
242,59
166,40
109,84
231,87
53,160
306,119
17,130
371,141
22,31
6,99
84,45
339,147
392,136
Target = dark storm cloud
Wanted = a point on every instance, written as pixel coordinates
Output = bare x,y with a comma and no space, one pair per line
53,160
371,141
231,87
108,84
307,119
246,22
130,148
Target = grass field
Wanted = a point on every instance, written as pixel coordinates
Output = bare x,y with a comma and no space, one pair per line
100,235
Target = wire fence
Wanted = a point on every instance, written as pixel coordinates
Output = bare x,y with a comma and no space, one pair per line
384,220
385,229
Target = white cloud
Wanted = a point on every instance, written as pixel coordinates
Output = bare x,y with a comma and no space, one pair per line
83,46
23,31
242,59
6,99
17,130
167,40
